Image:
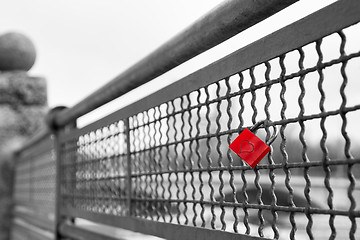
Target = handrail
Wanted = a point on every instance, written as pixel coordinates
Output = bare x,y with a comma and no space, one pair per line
41,135
223,22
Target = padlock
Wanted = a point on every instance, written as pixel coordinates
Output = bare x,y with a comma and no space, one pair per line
251,148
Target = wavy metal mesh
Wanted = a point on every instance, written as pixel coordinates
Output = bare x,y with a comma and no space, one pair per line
172,163
94,171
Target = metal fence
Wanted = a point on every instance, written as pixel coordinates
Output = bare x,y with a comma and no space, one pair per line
34,191
162,166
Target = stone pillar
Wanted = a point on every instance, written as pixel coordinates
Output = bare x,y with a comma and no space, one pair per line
23,104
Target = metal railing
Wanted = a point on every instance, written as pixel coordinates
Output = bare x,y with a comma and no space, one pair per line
34,189
162,166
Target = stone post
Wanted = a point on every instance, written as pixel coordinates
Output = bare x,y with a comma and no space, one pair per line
23,104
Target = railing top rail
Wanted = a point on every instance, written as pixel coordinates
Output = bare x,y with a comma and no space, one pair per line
223,22
44,133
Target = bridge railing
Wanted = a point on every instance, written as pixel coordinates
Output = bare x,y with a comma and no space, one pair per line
34,190
161,166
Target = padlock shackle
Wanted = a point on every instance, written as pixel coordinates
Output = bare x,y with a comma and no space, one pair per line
266,123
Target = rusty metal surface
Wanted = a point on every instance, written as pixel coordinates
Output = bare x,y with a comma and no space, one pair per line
183,176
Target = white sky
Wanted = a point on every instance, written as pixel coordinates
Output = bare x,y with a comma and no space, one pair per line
83,44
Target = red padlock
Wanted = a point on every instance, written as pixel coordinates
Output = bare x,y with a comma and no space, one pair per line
251,148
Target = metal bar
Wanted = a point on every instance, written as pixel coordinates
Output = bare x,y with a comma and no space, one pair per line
45,132
74,134
310,210
57,148
31,231
164,230
58,196
239,168
322,23
78,233
128,156
42,146
43,223
228,19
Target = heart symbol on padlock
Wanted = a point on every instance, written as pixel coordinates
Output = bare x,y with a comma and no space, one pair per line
246,147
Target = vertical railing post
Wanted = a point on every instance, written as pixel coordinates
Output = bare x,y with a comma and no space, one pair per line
57,154
29,181
128,158
57,150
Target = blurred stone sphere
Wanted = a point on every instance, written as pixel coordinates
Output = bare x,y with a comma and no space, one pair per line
17,52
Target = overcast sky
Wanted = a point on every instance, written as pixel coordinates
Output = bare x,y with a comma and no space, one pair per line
83,44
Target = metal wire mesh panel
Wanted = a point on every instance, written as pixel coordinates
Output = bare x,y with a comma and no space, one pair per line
34,185
171,163
183,171
94,171
22,183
